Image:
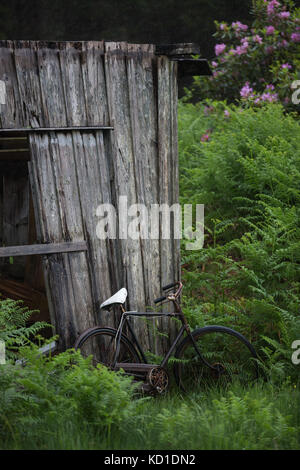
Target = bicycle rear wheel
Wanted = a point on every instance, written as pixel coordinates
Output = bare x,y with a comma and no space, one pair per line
225,356
100,343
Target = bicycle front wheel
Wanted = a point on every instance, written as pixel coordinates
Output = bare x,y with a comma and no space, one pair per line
100,343
221,356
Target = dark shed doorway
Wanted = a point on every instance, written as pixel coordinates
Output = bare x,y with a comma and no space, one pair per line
21,277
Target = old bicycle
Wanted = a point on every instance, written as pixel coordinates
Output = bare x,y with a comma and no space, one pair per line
208,355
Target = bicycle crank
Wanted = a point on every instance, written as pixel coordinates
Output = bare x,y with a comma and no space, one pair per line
158,378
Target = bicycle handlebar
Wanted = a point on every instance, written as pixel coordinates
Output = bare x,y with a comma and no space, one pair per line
169,286
160,299
173,284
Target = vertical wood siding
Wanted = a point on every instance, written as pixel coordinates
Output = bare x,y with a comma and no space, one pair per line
71,173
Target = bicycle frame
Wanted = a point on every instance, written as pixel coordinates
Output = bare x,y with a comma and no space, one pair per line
184,328
124,320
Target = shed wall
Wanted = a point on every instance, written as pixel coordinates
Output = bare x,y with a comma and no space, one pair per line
92,84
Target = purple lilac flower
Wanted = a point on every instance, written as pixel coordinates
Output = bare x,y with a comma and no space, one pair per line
270,30
226,113
271,97
246,91
286,66
239,26
295,37
223,26
284,14
284,43
242,49
220,48
257,39
271,6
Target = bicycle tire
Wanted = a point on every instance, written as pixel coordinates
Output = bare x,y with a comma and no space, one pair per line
99,343
224,359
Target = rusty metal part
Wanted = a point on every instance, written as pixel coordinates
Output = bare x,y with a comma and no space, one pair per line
158,378
135,367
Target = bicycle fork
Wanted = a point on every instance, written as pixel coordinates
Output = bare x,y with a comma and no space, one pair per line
186,327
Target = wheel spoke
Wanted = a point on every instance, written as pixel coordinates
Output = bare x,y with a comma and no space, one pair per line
226,358
101,345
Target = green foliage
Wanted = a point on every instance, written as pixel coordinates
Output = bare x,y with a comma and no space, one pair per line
256,62
49,392
62,402
247,175
233,421
14,330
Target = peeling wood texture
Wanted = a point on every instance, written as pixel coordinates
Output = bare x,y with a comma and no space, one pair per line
46,249
133,89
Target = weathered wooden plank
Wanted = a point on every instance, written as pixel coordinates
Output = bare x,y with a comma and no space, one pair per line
47,249
93,76
123,159
94,189
11,113
41,236
51,84
70,63
143,112
82,313
28,82
24,131
66,275
175,162
44,189
165,151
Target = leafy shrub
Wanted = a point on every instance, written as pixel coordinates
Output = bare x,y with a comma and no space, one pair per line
257,62
247,175
14,330
50,392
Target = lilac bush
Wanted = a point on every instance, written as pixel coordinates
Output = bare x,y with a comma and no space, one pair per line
257,62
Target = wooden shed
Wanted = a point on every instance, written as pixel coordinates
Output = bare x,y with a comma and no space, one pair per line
81,124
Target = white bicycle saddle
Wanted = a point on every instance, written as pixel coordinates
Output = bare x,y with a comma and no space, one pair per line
118,298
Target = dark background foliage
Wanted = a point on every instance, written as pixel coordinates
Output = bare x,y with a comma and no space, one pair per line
141,21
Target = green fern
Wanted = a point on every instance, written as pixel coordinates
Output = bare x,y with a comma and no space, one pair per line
14,330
